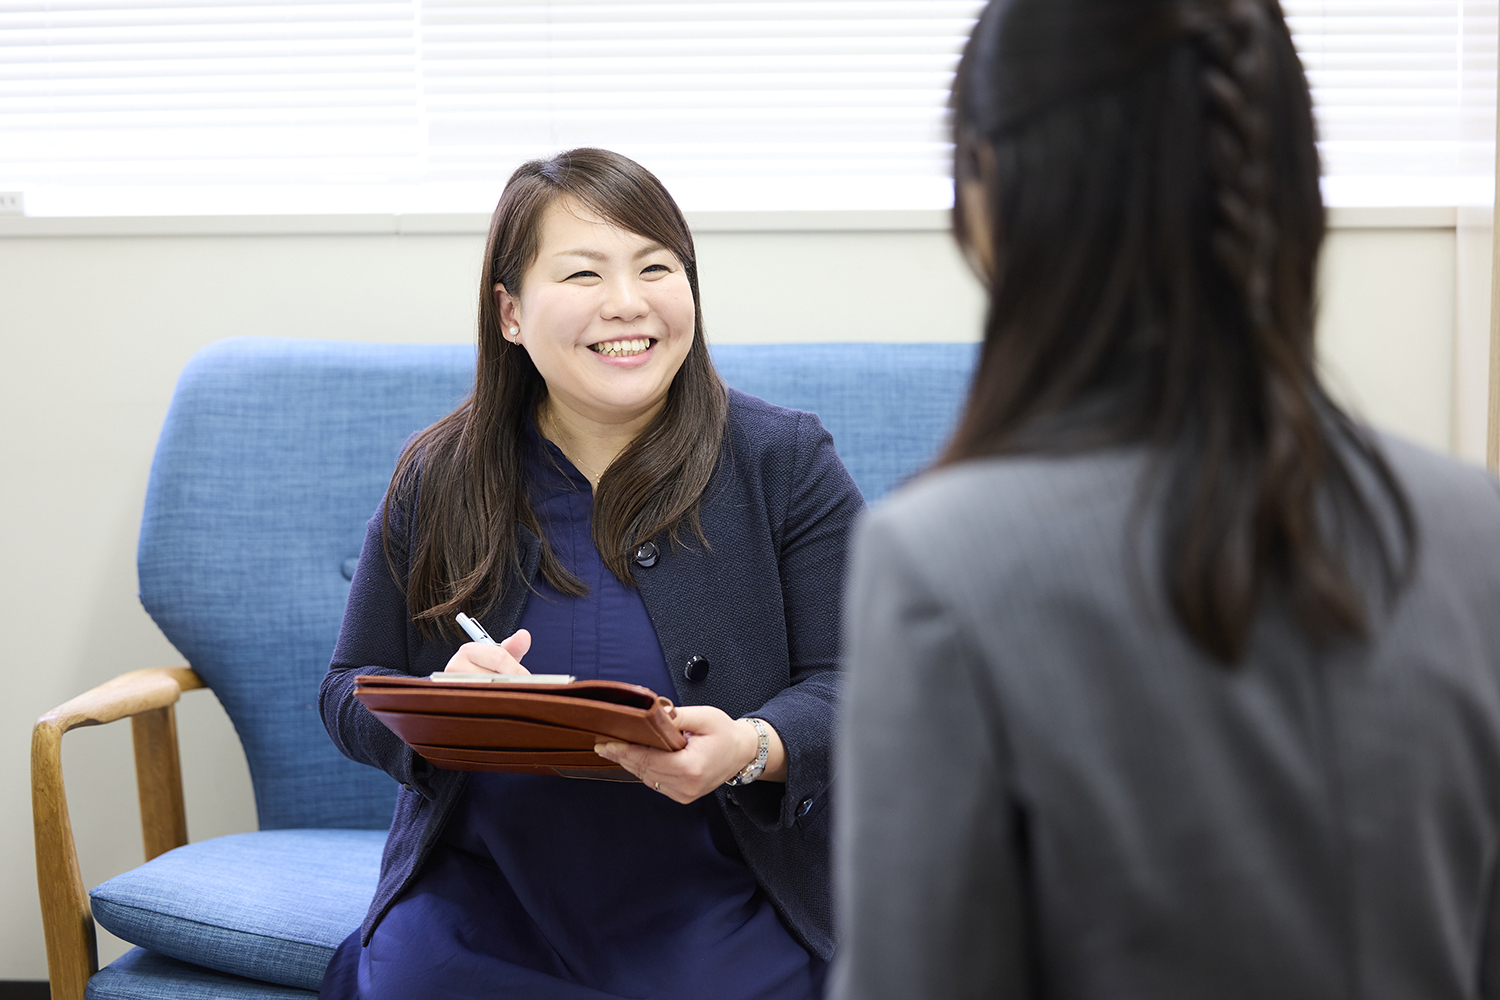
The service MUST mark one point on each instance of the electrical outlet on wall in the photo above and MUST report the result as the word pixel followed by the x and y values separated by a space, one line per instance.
pixel 12 203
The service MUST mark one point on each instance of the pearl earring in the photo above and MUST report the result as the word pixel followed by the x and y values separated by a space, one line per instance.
pixel 515 334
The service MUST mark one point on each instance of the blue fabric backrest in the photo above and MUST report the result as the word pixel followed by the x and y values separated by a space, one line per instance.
pixel 276 452
pixel 273 456
pixel 889 407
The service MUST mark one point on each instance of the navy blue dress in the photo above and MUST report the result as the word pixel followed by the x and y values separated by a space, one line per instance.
pixel 578 889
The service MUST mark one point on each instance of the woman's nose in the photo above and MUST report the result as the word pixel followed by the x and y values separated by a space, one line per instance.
pixel 623 300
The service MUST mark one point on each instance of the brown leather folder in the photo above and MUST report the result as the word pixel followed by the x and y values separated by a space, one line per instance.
pixel 525 729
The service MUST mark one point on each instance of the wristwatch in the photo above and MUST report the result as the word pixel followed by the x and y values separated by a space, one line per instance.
pixel 756 767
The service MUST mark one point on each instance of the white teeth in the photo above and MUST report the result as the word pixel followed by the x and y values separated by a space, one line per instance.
pixel 622 348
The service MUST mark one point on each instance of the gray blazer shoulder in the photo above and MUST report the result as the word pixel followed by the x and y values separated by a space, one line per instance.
pixel 1049 525
pixel 1079 802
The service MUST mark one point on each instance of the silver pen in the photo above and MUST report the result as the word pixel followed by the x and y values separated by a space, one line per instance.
pixel 478 634
pixel 476 631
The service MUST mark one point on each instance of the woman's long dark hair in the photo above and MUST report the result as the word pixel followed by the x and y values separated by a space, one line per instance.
pixel 469 467
pixel 1149 179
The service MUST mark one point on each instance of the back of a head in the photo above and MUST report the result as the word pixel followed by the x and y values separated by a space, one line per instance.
pixel 1138 182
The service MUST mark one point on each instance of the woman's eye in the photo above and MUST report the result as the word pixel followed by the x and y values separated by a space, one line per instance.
pixel 660 268
pixel 581 274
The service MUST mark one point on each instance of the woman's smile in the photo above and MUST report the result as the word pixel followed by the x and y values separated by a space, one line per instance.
pixel 633 347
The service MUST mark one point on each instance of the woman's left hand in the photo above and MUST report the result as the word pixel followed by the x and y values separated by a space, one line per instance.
pixel 718 748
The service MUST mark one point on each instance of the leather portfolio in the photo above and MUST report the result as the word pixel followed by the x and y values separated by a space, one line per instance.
pixel 526 729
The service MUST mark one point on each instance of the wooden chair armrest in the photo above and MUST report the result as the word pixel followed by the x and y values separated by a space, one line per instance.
pixel 145 697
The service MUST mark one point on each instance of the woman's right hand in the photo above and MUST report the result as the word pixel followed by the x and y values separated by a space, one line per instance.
pixel 482 658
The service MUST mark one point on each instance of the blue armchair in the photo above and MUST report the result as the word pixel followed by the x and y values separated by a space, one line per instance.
pixel 273 455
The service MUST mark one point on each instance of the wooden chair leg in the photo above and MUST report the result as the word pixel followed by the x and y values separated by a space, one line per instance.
pixel 146 697
pixel 72 952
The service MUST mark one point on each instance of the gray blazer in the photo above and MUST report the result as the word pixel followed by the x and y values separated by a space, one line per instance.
pixel 1045 790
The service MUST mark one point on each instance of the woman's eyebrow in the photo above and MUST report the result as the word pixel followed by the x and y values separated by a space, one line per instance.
pixel 644 251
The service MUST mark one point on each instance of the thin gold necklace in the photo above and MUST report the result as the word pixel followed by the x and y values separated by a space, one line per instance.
pixel 553 433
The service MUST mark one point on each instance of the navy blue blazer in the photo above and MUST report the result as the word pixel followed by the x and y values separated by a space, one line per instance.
pixel 761 606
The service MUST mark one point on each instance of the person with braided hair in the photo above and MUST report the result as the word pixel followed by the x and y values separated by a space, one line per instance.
pixel 1171 679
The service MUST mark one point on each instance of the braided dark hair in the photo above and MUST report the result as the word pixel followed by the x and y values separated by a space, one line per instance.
pixel 1236 78
pixel 1149 172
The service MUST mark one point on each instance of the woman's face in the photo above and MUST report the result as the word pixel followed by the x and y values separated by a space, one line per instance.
pixel 606 315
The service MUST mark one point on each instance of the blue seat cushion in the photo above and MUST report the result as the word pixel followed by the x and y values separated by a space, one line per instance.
pixel 144 975
pixel 270 906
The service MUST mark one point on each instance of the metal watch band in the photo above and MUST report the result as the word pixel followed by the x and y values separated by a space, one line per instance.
pixel 756 767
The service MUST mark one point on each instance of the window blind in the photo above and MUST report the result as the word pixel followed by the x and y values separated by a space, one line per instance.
pixel 188 92
pixel 169 106
pixel 1401 87
pixel 798 104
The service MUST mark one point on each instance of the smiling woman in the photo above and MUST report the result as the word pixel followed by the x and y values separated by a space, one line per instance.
pixel 604 502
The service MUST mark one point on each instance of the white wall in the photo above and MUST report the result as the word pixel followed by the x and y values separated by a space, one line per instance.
pixel 95 328
pixel 1386 327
